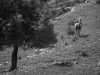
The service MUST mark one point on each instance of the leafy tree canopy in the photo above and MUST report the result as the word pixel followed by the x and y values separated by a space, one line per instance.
pixel 20 21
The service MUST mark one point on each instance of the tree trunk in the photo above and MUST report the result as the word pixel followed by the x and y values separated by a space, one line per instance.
pixel 14 58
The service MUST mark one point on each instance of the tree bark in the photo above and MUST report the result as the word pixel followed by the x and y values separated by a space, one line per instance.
pixel 14 58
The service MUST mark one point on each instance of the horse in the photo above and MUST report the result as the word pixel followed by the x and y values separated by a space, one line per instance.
pixel 78 27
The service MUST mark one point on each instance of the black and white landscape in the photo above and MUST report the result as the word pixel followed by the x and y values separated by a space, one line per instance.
pixel 49 37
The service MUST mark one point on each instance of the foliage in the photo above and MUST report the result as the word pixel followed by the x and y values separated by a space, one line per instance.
pixel 79 1
pixel 20 22
pixel 45 36
pixel 72 22
pixel 70 30
pixel 65 10
pixel 98 1
pixel 14 16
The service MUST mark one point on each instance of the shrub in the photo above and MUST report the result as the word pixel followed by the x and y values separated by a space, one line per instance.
pixel 70 30
pixel 98 1
pixel 45 36
pixel 64 9
pixel 72 22
pixel 79 1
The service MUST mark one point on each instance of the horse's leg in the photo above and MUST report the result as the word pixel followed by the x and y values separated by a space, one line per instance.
pixel 75 31
pixel 78 32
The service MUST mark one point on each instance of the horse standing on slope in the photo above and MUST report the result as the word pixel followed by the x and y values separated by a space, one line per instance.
pixel 78 27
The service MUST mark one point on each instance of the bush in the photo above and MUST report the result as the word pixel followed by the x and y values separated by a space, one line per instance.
pixel 65 10
pixel 79 1
pixel 70 30
pixel 45 36
pixel 98 1
pixel 72 22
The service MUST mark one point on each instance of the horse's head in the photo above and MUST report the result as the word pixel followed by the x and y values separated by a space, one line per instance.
pixel 80 20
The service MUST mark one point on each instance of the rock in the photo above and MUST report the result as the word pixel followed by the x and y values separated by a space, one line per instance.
pixel 76 62
pixel 5 63
pixel 30 56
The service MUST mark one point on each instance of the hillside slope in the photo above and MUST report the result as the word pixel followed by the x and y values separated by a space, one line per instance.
pixel 90 14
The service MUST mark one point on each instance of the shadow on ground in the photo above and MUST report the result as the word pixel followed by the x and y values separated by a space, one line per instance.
pixel 84 35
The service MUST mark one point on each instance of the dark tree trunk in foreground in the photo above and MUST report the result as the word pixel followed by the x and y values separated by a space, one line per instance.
pixel 14 58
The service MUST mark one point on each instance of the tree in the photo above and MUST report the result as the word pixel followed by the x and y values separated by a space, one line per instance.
pixel 22 23
pixel 19 19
